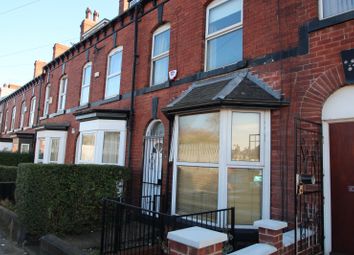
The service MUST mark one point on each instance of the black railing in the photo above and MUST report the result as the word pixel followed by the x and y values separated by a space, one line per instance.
pixel 127 229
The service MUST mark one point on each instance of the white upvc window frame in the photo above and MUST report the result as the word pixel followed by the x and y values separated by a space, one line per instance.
pixel 62 93
pixel 32 112
pixel 112 75
pixel 226 30
pixel 46 101
pixel 321 11
pixel 225 162
pixel 22 116
pixel 99 128
pixel 161 55
pixel 25 145
pixel 6 120
pixel 47 136
pixel 13 119
pixel 87 85
pixel 50 150
pixel 80 161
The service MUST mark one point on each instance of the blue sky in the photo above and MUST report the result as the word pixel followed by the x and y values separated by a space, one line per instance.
pixel 29 29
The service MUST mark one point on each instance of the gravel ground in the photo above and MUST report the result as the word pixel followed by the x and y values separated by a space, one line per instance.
pixel 7 247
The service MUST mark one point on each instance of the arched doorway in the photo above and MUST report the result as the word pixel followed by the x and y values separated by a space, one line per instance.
pixel 152 169
pixel 338 163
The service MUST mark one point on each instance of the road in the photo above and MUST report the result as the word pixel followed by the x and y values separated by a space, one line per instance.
pixel 7 247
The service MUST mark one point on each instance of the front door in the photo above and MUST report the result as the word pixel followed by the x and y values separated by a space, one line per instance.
pixel 152 171
pixel 342 187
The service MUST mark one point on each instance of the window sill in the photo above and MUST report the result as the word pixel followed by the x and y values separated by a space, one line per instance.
pixel 44 117
pixel 61 112
pixel 107 100
pixel 156 87
pixel 331 21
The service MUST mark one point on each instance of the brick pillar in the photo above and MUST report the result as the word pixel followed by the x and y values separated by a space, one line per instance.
pixel 271 232
pixel 195 241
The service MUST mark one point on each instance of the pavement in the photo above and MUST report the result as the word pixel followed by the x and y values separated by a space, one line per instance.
pixel 8 247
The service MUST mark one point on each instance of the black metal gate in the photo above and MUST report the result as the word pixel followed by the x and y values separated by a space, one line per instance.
pixel 308 184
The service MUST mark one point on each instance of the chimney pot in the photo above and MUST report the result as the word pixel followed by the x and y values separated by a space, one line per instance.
pixel 88 13
pixel 96 16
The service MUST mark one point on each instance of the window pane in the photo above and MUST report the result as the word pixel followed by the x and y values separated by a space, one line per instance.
pixel 225 50
pixel 197 189
pixel 162 43
pixel 110 148
pixel 113 86
pixel 88 147
pixel 41 149
pixel 199 138
pixel 115 63
pixel 25 148
pixel 334 7
pixel 54 149
pixel 84 95
pixel 225 15
pixel 160 74
pixel 244 192
pixel 87 75
pixel 245 136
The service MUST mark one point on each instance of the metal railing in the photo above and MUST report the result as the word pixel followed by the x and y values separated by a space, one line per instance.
pixel 127 229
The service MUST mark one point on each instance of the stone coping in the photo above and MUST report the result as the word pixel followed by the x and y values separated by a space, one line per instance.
pixel 197 237
pixel 256 249
pixel 270 224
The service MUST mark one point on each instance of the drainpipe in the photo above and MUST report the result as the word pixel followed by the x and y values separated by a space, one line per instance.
pixel 132 96
pixel 39 99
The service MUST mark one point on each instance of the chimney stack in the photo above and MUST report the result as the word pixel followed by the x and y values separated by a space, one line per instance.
pixel 88 22
pixel 59 49
pixel 123 6
pixel 38 68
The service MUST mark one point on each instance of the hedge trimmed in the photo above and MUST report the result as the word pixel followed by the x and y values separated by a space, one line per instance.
pixel 8 173
pixel 13 158
pixel 64 199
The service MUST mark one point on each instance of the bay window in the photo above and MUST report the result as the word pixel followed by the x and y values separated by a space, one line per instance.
pixel 101 142
pixel 330 8
pixel 160 55
pixel 223 33
pixel 85 86
pixel 50 146
pixel 114 69
pixel 222 161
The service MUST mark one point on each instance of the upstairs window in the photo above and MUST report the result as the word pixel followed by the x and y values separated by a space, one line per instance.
pixel 23 111
pixel 330 8
pixel 32 112
pixel 62 93
pixel 114 69
pixel 160 55
pixel 85 86
pixel 13 118
pixel 6 120
pixel 223 33
pixel 46 101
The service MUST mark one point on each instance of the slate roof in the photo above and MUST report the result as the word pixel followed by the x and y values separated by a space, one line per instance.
pixel 241 89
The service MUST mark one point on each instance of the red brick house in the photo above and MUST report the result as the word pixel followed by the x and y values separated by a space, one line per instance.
pixel 205 94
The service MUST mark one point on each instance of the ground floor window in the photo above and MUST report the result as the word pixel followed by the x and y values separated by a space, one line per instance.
pixel 50 147
pixel 221 160
pixel 25 148
pixel 102 142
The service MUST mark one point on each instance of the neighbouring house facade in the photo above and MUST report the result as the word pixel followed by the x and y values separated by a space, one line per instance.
pixel 199 99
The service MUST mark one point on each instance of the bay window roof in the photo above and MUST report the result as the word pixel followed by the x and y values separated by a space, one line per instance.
pixel 241 89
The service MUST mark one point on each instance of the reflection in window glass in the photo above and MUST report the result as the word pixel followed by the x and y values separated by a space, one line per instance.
pixel 199 138
pixel 245 136
pixel 25 147
pixel 87 147
pixel 54 149
pixel 114 74
pixel 335 7
pixel 41 148
pixel 244 189
pixel 197 189
pixel 110 148
pixel 224 15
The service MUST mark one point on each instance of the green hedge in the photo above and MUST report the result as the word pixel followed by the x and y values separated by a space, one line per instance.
pixel 8 173
pixel 64 199
pixel 13 159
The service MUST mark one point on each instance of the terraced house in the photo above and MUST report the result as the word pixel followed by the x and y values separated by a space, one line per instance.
pixel 212 104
